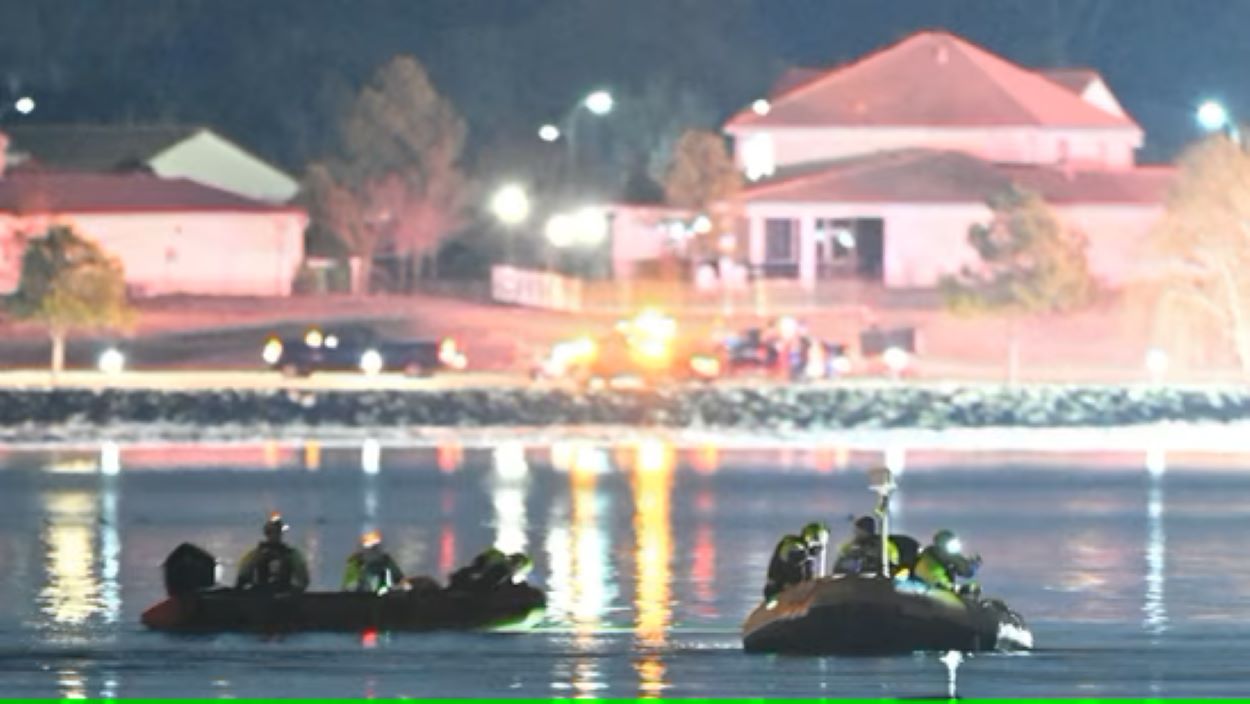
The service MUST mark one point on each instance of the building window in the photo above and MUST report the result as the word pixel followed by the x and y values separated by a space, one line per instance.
pixel 838 236
pixel 779 244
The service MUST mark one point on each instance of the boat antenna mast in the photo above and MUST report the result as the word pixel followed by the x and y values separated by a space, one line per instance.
pixel 881 481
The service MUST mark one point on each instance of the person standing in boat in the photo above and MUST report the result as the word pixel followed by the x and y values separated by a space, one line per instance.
pixel 943 563
pixel 371 569
pixel 273 565
pixel 862 553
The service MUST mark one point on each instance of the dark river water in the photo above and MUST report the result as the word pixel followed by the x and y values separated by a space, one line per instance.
pixel 1128 567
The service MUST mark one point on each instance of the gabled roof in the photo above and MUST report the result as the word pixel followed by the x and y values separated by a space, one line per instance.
pixel 94 147
pixel 792 78
pixel 1074 79
pixel 930 79
pixel 924 176
pixel 35 191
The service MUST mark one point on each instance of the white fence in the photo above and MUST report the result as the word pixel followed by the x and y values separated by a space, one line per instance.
pixel 536 289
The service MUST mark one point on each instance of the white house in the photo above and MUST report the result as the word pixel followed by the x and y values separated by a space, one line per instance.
pixel 877 169
pixel 195 153
pixel 172 235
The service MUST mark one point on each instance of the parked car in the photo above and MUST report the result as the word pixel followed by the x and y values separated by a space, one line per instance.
pixel 358 349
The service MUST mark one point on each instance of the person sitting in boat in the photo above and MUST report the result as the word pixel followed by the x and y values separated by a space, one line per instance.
pixel 862 553
pixel 273 565
pixel 788 565
pixel 941 564
pixel 491 569
pixel 816 537
pixel 371 569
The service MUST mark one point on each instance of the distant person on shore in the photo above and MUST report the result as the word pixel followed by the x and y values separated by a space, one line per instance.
pixel 272 565
pixel 943 563
pixel 370 568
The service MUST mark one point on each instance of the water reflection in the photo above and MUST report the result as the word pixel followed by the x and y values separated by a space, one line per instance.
pixel 651 481
pixel 578 551
pixel 71 594
pixel 1155 608
pixel 508 489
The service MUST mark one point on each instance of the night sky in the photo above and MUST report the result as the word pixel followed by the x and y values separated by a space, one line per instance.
pixel 277 74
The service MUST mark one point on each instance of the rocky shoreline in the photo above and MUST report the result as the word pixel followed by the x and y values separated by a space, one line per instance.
pixel 38 414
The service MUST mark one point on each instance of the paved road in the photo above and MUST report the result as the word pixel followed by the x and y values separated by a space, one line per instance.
pixel 182 379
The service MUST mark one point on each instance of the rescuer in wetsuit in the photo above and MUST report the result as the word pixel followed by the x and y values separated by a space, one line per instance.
pixel 862 553
pixel 943 563
pixel 371 569
pixel 788 565
pixel 491 569
pixel 273 565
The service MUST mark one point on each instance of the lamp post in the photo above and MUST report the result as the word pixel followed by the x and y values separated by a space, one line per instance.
pixel 1212 116
pixel 599 103
pixel 511 206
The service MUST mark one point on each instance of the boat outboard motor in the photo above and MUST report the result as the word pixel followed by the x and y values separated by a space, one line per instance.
pixel 188 569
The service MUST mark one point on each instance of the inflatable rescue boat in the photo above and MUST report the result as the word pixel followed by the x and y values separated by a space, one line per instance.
pixel 197 604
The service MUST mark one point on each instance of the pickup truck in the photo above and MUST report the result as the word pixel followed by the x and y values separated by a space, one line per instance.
pixel 361 350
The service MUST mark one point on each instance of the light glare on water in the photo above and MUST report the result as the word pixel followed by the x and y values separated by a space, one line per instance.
pixel 651 556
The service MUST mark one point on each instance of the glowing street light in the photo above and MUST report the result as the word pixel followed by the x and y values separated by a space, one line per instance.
pixel 25 105
pixel 896 360
pixel 592 227
pixel 599 102
pixel 111 361
pixel 549 132
pixel 1212 116
pixel 761 107
pixel 510 204
pixel 1156 363
pixel 561 230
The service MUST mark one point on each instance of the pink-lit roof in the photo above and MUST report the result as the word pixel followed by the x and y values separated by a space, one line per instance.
pixel 930 79
pixel 36 191
pixel 931 176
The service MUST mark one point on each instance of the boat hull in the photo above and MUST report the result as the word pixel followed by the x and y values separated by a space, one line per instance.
pixel 870 616
pixel 229 610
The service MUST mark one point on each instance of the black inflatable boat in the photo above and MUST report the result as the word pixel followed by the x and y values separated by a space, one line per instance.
pixel 196 604
pixel 869 615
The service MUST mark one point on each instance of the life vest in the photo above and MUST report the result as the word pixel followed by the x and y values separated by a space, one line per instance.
pixel 273 566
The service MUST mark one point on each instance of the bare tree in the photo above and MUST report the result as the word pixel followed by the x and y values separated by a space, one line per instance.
pixel 1201 247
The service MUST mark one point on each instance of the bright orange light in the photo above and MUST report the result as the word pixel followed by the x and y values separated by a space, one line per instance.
pixel 706 459
pixel 312 455
pixel 449 456
pixel 654 455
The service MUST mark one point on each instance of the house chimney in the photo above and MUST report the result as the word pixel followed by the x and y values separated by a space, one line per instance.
pixel 4 152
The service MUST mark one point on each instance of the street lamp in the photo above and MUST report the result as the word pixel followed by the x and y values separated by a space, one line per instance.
pixel 510 204
pixel 599 102
pixel 25 105
pixel 548 132
pixel 1212 116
